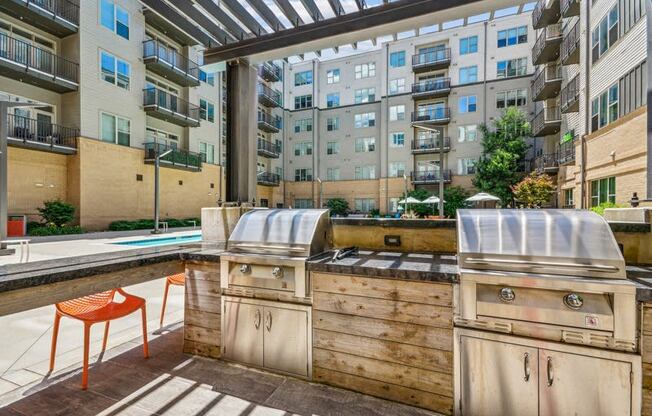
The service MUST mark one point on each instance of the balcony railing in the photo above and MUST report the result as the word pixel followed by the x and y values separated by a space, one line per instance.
pixel 268 122
pixel 546 48
pixel 269 97
pixel 566 152
pixel 270 72
pixel 546 122
pixel 32 133
pixel 431 145
pixel 42 66
pixel 436 59
pixel 431 176
pixel 437 115
pixel 547 163
pixel 268 149
pixel 180 159
pixel 432 88
pixel 570 8
pixel 167 62
pixel 570 96
pixel 547 82
pixel 165 106
pixel 545 12
pixel 58 17
pixel 570 46
pixel 268 179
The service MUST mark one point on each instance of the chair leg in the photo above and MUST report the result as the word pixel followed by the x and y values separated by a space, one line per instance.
pixel 55 335
pixel 87 341
pixel 145 347
pixel 165 300
pixel 106 335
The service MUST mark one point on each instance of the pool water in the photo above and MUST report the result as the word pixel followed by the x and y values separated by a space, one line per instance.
pixel 158 241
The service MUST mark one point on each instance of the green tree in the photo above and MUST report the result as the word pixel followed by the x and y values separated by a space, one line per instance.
pixel 420 210
pixel 57 212
pixel 503 150
pixel 338 206
pixel 455 197
pixel 534 190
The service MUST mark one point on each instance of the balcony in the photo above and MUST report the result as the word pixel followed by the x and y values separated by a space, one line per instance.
pixel 268 149
pixel 178 159
pixel 566 154
pixel 39 135
pixel 430 145
pixel 570 8
pixel 170 64
pixel 430 177
pixel 270 72
pixel 546 48
pixel 165 106
pixel 570 46
pixel 428 117
pixel 268 122
pixel 268 97
pixel 57 17
pixel 546 122
pixel 547 163
pixel 21 61
pixel 570 96
pixel 172 31
pixel 547 83
pixel 545 13
pixel 268 179
pixel 431 88
pixel 430 61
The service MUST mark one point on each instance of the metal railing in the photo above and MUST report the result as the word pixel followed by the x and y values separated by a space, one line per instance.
pixel 549 73
pixel 153 48
pixel 570 93
pixel 540 9
pixel 157 97
pixel 270 94
pixel 431 85
pixel 566 4
pixel 546 162
pixel 64 9
pixel 178 158
pixel 268 178
pixel 431 114
pixel 571 42
pixel 548 33
pixel 270 71
pixel 545 115
pixel 566 153
pixel 30 130
pixel 430 143
pixel 267 118
pixel 431 176
pixel 38 59
pixel 432 57
pixel 268 147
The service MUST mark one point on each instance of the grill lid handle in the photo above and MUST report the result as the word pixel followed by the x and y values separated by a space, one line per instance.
pixel 542 264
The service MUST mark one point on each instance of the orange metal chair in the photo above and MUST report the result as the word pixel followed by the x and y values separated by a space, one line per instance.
pixel 93 309
pixel 178 279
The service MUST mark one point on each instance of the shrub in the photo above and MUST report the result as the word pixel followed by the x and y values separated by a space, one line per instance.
pixel 455 197
pixel 338 207
pixel 374 213
pixel 147 224
pixel 534 190
pixel 52 229
pixel 57 212
pixel 600 208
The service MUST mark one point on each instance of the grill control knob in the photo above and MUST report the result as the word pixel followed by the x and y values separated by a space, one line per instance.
pixel 277 272
pixel 507 294
pixel 573 301
pixel 245 269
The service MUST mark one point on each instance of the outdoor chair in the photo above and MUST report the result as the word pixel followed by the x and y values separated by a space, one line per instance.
pixel 178 279
pixel 97 308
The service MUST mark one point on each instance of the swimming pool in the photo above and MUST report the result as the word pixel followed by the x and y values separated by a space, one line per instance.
pixel 158 241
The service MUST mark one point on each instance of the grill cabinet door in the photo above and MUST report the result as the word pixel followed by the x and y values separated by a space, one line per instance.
pixel 286 340
pixel 583 385
pixel 242 336
pixel 493 378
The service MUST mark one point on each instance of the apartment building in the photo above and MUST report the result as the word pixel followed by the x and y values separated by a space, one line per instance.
pixel 113 84
pixel 591 99
pixel 366 127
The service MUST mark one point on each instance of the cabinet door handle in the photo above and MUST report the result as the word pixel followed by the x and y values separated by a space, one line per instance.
pixel 526 367
pixel 268 321
pixel 257 319
pixel 551 376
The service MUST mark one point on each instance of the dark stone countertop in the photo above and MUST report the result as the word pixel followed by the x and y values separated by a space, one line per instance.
pixel 394 222
pixel 642 276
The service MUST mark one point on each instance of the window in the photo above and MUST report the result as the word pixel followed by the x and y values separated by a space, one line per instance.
pixel 303 203
pixel 115 71
pixel 468 45
pixel 363 145
pixel 332 174
pixel 603 190
pixel 396 112
pixel 332 123
pixel 397 139
pixel 396 169
pixel 393 204
pixel 604 108
pixel 365 70
pixel 303 101
pixel 467 133
pixel 279 171
pixel 512 36
pixel 333 100
pixel 466 166
pixel 332 148
pixel 605 34
pixel 512 98
pixel 365 204
pixel 206 110
pixel 568 198
pixel 468 74
pixel 303 175
pixel 365 95
pixel 397 59
pixel 397 86
pixel 303 78
pixel 115 129
pixel 207 152
pixel 365 172
pixel 468 104
pixel 114 18
pixel 365 120
pixel 333 76
pixel 303 149
pixel 511 68
pixel 305 124
pixel 210 79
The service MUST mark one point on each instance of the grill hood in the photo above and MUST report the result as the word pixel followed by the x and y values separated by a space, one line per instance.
pixel 287 232
pixel 560 242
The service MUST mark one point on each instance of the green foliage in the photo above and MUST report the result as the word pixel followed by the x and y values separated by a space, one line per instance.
pixel 503 149
pixel 455 197
pixel 338 206
pixel 534 190
pixel 420 210
pixel 52 229
pixel 147 224
pixel 57 212
pixel 600 208
pixel 374 213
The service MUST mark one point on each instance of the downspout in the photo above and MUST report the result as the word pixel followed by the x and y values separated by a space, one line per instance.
pixel 284 140
pixel 484 76
pixel 386 138
pixel 587 105
pixel 648 16
pixel 315 124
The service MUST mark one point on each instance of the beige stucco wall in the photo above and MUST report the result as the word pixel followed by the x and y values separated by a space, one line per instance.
pixel 422 239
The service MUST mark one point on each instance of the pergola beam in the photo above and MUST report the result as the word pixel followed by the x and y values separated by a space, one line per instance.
pixel 214 10
pixel 337 7
pixel 162 9
pixel 188 8
pixel 290 13
pixel 267 14
pixel 243 15
pixel 313 10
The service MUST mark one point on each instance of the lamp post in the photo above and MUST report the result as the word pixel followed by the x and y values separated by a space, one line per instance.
pixel 321 193
pixel 157 166
pixel 406 192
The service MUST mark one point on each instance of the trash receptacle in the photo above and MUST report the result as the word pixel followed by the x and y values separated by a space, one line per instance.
pixel 16 226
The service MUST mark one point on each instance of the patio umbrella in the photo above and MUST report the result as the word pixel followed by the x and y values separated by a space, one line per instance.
pixel 409 200
pixel 432 200
pixel 482 197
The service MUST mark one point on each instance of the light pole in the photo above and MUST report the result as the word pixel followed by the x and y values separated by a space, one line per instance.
pixel 406 192
pixel 157 166
pixel 321 193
